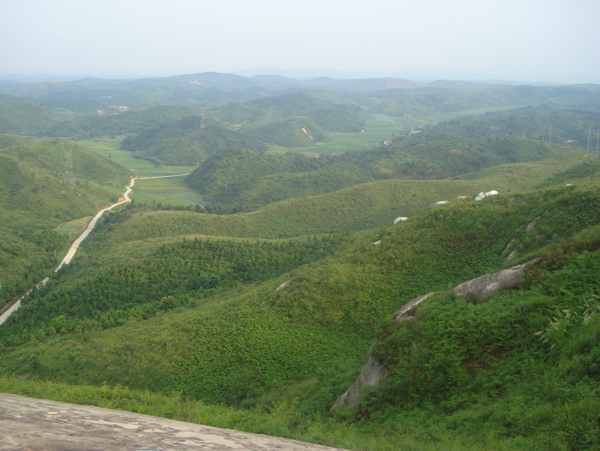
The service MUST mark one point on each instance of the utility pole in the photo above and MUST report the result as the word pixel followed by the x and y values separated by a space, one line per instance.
pixel 67 148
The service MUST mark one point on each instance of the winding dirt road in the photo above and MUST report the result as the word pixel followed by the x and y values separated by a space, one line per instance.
pixel 39 424
pixel 74 247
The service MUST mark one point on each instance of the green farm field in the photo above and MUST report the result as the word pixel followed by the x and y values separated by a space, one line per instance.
pixel 109 148
pixel 171 190
pixel 378 128
pixel 74 227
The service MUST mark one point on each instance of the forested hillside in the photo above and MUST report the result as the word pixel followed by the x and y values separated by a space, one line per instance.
pixel 243 180
pixel 549 124
pixel 27 117
pixel 102 124
pixel 188 141
pixel 41 186
pixel 446 97
pixel 289 132
pixel 301 343
pixel 257 308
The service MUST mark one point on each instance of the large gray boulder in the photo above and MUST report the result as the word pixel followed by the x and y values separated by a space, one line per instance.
pixel 477 290
pixel 371 374
pixel 405 310
pixel 482 288
pixel 40 424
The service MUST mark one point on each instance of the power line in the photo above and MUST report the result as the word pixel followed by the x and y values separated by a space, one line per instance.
pixel 67 148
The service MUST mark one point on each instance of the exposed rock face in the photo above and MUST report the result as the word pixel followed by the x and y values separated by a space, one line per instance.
pixel 532 224
pixel 371 374
pixel 403 312
pixel 476 290
pixel 483 195
pixel 482 288
pixel 39 424
pixel 283 285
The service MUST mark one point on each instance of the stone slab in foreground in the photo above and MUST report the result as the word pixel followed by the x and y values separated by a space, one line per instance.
pixel 39 424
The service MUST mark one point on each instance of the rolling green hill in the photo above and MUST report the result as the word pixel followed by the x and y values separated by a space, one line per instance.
pixel 269 118
pixel 258 311
pixel 126 123
pixel 37 194
pixel 13 140
pixel 340 119
pixel 245 181
pixel 27 117
pixel 235 113
pixel 298 103
pixel 568 127
pixel 234 166
pixel 188 141
pixel 288 132
pixel 455 376
pixel 441 98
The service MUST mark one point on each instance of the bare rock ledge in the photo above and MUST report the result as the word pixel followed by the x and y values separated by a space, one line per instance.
pixel 477 290
pixel 39 424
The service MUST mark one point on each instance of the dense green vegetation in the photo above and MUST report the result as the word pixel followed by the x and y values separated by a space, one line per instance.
pixel 301 103
pixel 251 301
pixel 354 208
pixel 36 195
pixel 18 116
pixel 13 140
pixel 128 122
pixel 244 180
pixel 288 132
pixel 187 141
pixel 569 127
pixel 428 100
pixel 173 274
pixel 301 346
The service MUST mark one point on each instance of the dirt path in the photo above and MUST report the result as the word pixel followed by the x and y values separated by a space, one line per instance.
pixel 74 247
pixel 39 424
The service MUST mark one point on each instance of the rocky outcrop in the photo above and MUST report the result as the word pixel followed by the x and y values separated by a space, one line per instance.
pixel 39 424
pixel 477 290
pixel 283 285
pixel 371 374
pixel 404 311
pixel 483 195
pixel 482 288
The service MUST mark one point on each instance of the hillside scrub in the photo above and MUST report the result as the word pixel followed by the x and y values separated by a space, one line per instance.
pixel 287 132
pixel 172 275
pixel 271 178
pixel 188 141
pixel 346 295
pixel 550 124
pixel 257 312
pixel 36 196
pixel 461 376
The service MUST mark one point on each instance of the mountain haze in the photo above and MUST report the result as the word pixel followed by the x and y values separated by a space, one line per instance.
pixel 310 235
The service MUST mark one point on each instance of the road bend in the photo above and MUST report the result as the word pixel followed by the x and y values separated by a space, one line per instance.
pixel 74 247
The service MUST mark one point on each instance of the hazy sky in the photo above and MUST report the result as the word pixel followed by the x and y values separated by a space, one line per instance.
pixel 521 40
